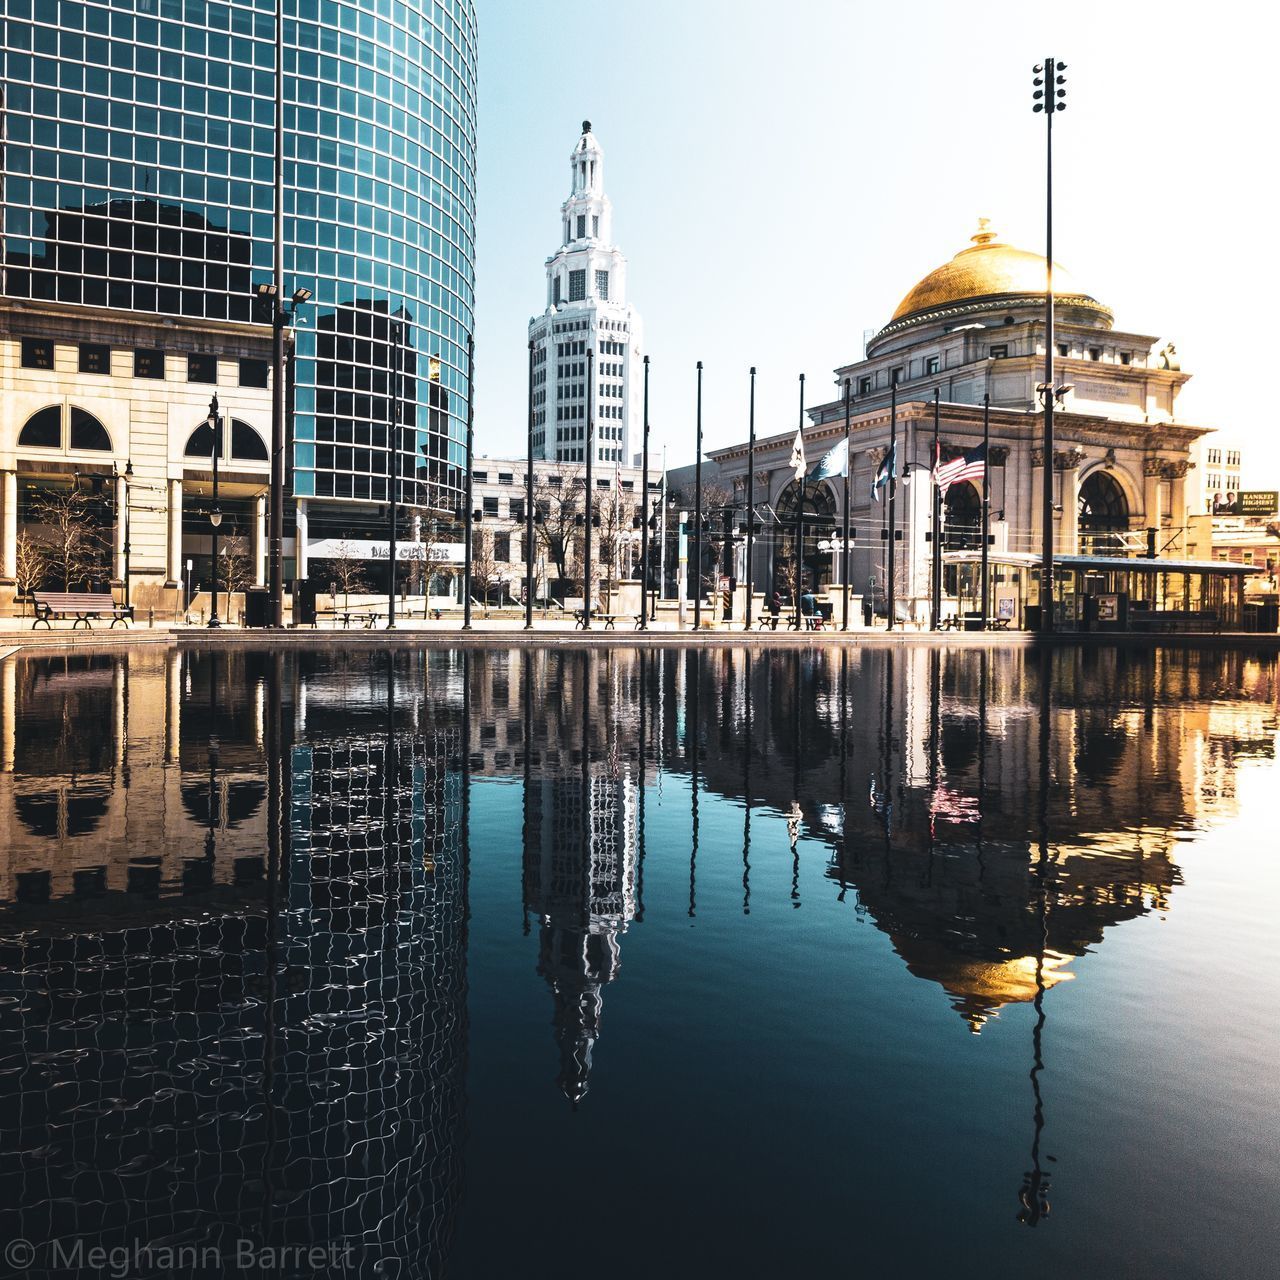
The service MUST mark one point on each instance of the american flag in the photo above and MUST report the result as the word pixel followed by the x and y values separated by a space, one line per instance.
pixel 969 466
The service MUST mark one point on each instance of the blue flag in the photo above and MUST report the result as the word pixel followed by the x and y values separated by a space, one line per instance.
pixel 888 468
pixel 835 462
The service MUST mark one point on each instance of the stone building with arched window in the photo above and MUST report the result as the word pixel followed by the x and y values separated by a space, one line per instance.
pixel 970 330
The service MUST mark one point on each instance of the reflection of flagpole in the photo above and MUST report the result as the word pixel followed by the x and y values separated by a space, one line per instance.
pixel 643 660
pixel 746 786
pixel 695 663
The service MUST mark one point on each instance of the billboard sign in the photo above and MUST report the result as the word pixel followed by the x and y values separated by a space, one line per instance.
pixel 1259 502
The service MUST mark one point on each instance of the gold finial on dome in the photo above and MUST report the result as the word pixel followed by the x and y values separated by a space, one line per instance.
pixel 984 234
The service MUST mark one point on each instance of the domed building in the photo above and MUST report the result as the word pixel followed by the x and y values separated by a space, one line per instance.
pixel 974 328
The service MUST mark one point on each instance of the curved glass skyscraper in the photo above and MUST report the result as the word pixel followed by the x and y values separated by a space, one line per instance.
pixel 138 170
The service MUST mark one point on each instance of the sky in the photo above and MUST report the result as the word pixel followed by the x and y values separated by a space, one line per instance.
pixel 783 173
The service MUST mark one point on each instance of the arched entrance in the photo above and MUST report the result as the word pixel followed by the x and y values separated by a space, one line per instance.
pixel 961 527
pixel 819 524
pixel 1101 513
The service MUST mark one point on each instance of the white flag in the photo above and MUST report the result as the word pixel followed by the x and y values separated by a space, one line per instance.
pixel 797 457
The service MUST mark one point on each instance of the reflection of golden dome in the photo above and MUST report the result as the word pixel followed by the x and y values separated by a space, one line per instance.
pixel 987 269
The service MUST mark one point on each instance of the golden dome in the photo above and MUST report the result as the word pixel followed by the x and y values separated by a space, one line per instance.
pixel 987 269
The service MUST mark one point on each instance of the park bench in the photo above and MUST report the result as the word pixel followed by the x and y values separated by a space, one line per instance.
pixel 1173 620
pixel 610 620
pixel 84 606
pixel 369 618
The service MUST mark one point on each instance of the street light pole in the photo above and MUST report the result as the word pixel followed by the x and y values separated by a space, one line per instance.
pixel 586 524
pixel 804 489
pixel 215 516
pixel 936 583
pixel 393 472
pixel 893 499
pixel 848 477
pixel 1048 97
pixel 751 494
pixel 275 533
pixel 528 509
pixel 466 515
pixel 128 481
pixel 986 507
pixel 643 624
pixel 697 515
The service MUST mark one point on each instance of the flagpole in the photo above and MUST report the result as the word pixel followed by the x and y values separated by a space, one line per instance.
pixel 844 562
pixel 893 493
pixel 804 487
pixel 937 520
pixel 986 507
pixel 643 621
pixel 751 495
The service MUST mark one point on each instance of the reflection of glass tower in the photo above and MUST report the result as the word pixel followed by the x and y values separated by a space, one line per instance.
pixel 580 879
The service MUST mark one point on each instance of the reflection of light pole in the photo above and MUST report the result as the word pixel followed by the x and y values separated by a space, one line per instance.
pixel 215 516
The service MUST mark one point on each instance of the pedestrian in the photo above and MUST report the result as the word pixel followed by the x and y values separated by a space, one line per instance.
pixel 775 610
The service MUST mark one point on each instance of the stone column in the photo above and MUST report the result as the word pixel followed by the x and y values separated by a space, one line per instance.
pixel 300 538
pixel 1037 504
pixel 259 540
pixel 122 505
pixel 1067 536
pixel 174 558
pixel 1178 502
pixel 1151 471
pixel 9 535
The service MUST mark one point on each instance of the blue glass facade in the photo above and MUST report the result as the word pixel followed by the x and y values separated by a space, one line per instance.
pixel 138 142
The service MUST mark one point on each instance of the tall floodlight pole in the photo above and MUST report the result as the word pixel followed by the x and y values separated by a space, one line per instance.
pixel 586 527
pixel 393 470
pixel 986 508
pixel 697 514
pixel 751 495
pixel 893 495
pixel 643 624
pixel 936 577
pixel 275 533
pixel 466 514
pixel 528 510
pixel 215 516
pixel 804 488
pixel 848 477
pixel 1048 97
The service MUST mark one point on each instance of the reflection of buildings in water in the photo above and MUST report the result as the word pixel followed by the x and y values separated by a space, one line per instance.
pixel 277 1058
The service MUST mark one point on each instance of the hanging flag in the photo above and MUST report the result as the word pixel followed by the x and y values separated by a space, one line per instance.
pixel 835 462
pixel 968 466
pixel 797 457
pixel 887 468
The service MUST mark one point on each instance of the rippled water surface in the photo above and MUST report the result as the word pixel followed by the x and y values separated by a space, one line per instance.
pixel 661 963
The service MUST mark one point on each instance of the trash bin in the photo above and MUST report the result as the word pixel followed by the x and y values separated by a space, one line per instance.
pixel 255 607
pixel 304 603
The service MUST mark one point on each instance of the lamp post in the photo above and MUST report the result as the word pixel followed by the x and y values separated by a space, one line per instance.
pixel 804 489
pixel 1048 97
pixel 215 516
pixel 848 477
pixel 986 507
pixel 528 508
pixel 751 495
pixel 936 582
pixel 643 624
pixel 393 471
pixel 697 513
pixel 466 515
pixel 586 524
pixel 890 603
pixel 127 477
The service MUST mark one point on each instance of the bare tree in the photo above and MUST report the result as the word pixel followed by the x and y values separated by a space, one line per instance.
pixel 718 505
pixel 486 574
pixel 343 572
pixel 558 506
pixel 75 544
pixel 31 564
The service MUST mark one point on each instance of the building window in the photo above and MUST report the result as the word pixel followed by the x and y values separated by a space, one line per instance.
pixel 148 363
pixel 556 294
pixel 87 432
pixel 253 373
pixel 43 430
pixel 480 477
pixel 582 225
pixel 37 353
pixel 1063 349
pixel 1125 357
pixel 95 358
pixel 517 509
pixel 602 285
pixel 202 368
pixel 577 286
pixel 491 506
pixel 864 386
pixel 896 375
pixel 595 224
pixel 1000 351
pixel 1095 353
pixel 932 364
pixel 502 548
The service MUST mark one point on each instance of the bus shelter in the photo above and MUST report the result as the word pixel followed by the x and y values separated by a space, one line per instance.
pixel 1099 593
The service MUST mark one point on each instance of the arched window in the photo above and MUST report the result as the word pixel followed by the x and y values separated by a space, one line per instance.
pixel 1102 511
pixel 246 443
pixel 962 518
pixel 43 430
pixel 200 442
pixel 87 432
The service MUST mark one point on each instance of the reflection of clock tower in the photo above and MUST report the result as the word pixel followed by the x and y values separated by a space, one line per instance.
pixel 586 308
pixel 580 872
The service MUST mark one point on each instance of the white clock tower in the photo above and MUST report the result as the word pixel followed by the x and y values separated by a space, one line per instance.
pixel 587 309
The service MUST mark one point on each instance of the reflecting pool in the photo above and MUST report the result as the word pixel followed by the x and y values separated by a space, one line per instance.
pixel 639 962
